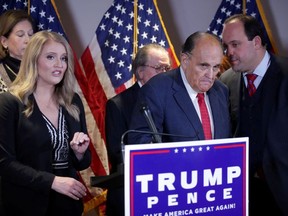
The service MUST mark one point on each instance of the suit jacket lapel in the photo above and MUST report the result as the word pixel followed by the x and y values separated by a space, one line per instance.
pixel 184 101
pixel 215 109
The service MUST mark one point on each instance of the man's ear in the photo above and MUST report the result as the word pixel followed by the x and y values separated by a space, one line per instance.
pixel 257 41
pixel 184 58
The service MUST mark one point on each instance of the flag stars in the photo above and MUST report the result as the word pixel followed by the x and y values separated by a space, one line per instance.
pixel 114 47
pixel 141 6
pixel 200 148
pixel 238 6
pixel 106 43
pixel 126 39
pixel 111 31
pixel 192 149
pixel 215 32
pixel 117 35
pixel 32 9
pixel 131 14
pixel 149 11
pixel 156 27
pixel 107 15
pixel 118 76
pixel 153 39
pixel 184 150
pixel 44 2
pixel 129 27
pixel 114 19
pixel 130 67
pixel 5 6
pixel 51 19
pixel 144 35
pixel 123 10
pixel 219 21
pixel 253 15
pixel 223 10
pixel 102 27
pixel 124 51
pixel 147 23
pixel 42 13
pixel 40 26
pixel 208 148
pixel 139 19
pixel 111 59
pixel 120 63
pixel 120 22
pixel 162 43
pixel 228 13
pixel 176 150
pixel 118 7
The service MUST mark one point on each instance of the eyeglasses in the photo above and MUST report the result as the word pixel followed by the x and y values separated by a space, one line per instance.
pixel 159 68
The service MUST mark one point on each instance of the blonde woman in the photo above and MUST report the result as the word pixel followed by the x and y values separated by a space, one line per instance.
pixel 43 134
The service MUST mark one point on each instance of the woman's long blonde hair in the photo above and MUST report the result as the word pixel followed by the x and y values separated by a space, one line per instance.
pixel 25 82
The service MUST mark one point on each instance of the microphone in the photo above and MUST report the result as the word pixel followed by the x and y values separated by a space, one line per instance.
pixel 146 111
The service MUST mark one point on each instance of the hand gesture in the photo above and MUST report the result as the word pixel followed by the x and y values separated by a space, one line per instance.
pixel 79 144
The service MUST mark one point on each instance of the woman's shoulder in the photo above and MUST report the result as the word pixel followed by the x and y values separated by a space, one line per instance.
pixel 9 101
pixel 76 99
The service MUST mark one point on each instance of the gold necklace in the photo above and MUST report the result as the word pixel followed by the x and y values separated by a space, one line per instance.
pixel 11 70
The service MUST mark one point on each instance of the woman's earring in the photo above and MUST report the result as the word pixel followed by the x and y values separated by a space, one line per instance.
pixel 6 50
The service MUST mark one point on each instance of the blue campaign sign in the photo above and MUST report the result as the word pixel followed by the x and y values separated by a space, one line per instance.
pixel 187 178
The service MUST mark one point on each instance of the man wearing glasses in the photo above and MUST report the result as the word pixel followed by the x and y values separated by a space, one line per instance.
pixel 188 102
pixel 150 60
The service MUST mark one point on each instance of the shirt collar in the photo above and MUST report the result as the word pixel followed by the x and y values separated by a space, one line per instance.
pixel 192 93
pixel 261 69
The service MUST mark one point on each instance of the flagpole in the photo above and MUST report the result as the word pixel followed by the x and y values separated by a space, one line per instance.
pixel 244 6
pixel 135 43
pixel 28 7
pixel 266 25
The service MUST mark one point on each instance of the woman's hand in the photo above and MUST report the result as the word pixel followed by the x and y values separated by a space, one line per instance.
pixel 69 187
pixel 79 144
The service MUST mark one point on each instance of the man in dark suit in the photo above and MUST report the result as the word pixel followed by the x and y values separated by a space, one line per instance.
pixel 149 61
pixel 172 97
pixel 251 110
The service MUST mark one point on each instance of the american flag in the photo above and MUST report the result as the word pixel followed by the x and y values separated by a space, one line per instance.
pixel 126 26
pixel 110 51
pixel 253 8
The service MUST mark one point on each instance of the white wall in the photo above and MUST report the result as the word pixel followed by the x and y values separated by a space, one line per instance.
pixel 181 17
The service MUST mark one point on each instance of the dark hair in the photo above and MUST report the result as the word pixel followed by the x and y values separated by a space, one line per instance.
pixel 252 27
pixel 8 20
pixel 191 41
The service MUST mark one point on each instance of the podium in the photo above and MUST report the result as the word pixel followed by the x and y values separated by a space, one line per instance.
pixel 114 180
pixel 202 176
